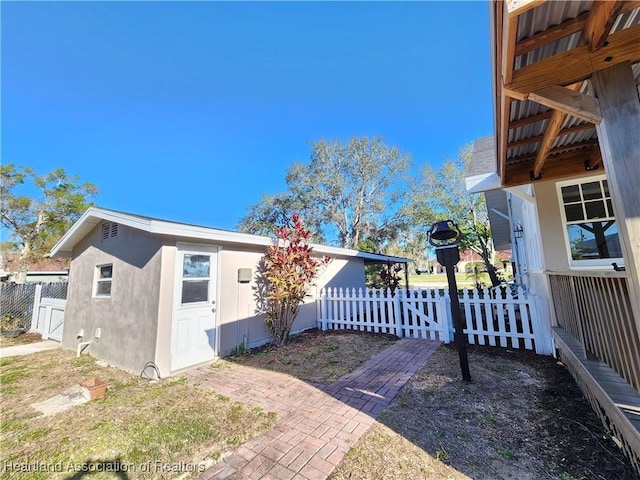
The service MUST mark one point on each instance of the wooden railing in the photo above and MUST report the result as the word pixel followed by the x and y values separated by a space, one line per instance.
pixel 595 308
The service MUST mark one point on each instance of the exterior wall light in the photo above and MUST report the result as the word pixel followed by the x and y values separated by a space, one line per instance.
pixel 517 231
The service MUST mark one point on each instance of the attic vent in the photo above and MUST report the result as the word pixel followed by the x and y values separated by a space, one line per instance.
pixel 109 230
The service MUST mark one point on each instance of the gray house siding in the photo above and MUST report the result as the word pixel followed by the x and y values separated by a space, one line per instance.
pixel 128 318
pixel 137 320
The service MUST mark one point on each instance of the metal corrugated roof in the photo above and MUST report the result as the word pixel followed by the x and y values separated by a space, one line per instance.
pixel 527 136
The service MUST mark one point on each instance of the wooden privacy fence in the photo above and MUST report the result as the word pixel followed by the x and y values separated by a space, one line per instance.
pixel 497 317
pixel 48 316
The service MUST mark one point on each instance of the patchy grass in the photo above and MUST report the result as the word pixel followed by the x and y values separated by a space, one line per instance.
pixel 20 339
pixel 153 430
pixel 439 280
pixel 382 454
pixel 521 417
pixel 317 357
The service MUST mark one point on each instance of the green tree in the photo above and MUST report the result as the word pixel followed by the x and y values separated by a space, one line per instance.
pixel 288 271
pixel 272 210
pixel 442 194
pixel 35 224
pixel 349 188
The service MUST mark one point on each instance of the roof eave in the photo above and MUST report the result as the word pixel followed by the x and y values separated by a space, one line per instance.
pixel 94 215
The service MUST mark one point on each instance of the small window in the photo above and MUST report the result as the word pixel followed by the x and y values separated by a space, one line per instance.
pixel 109 230
pixel 195 278
pixel 590 226
pixel 104 275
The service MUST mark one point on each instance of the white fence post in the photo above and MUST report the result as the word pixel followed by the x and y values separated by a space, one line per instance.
pixel 323 309
pixel 36 309
pixel 541 336
pixel 444 314
pixel 494 318
pixel 397 317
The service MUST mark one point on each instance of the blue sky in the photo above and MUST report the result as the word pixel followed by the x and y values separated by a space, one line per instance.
pixel 190 111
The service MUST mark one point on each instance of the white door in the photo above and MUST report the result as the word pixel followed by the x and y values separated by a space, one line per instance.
pixel 193 331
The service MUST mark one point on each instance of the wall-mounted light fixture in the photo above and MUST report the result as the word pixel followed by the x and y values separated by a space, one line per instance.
pixel 517 231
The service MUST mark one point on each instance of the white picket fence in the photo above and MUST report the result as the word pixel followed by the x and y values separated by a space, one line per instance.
pixel 495 318
pixel 48 316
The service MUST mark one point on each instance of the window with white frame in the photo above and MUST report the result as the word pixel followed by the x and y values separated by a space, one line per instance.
pixel 590 226
pixel 104 276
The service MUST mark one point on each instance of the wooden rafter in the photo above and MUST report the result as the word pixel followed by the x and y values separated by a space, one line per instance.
pixel 558 166
pixel 508 59
pixel 570 102
pixel 563 132
pixel 599 22
pixel 544 81
pixel 583 146
pixel 566 28
pixel 595 158
pixel 529 120
pixel 518 7
pixel 551 133
pixel 578 64
pixel 502 110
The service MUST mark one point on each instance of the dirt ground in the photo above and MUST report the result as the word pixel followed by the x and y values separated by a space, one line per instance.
pixel 521 417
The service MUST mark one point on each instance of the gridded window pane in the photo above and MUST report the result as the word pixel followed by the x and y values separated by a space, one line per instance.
pixel 106 271
pixel 594 240
pixel 591 190
pixel 196 266
pixel 194 291
pixel 571 194
pixel 103 281
pixel 574 212
pixel 590 222
pixel 103 288
pixel 595 210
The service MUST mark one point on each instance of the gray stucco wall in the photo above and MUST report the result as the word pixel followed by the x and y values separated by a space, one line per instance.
pixel 136 320
pixel 128 318
pixel 239 318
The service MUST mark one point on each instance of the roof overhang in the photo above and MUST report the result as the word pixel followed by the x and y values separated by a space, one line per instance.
pixel 544 54
pixel 94 216
pixel 481 174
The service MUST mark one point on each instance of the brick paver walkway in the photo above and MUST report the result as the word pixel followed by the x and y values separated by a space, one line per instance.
pixel 316 426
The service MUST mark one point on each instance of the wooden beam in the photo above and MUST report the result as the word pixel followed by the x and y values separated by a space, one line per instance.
pixel 503 136
pixel 516 95
pixel 563 132
pixel 557 167
pixel 601 18
pixel 620 145
pixel 532 119
pixel 566 28
pixel 595 159
pixel 503 103
pixel 508 58
pixel 585 145
pixel 578 64
pixel 570 102
pixel 550 134
pixel 518 7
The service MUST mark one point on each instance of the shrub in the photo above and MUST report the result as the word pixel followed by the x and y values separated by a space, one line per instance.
pixel 288 270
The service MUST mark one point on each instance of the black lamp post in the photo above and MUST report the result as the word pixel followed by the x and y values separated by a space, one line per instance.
pixel 445 237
